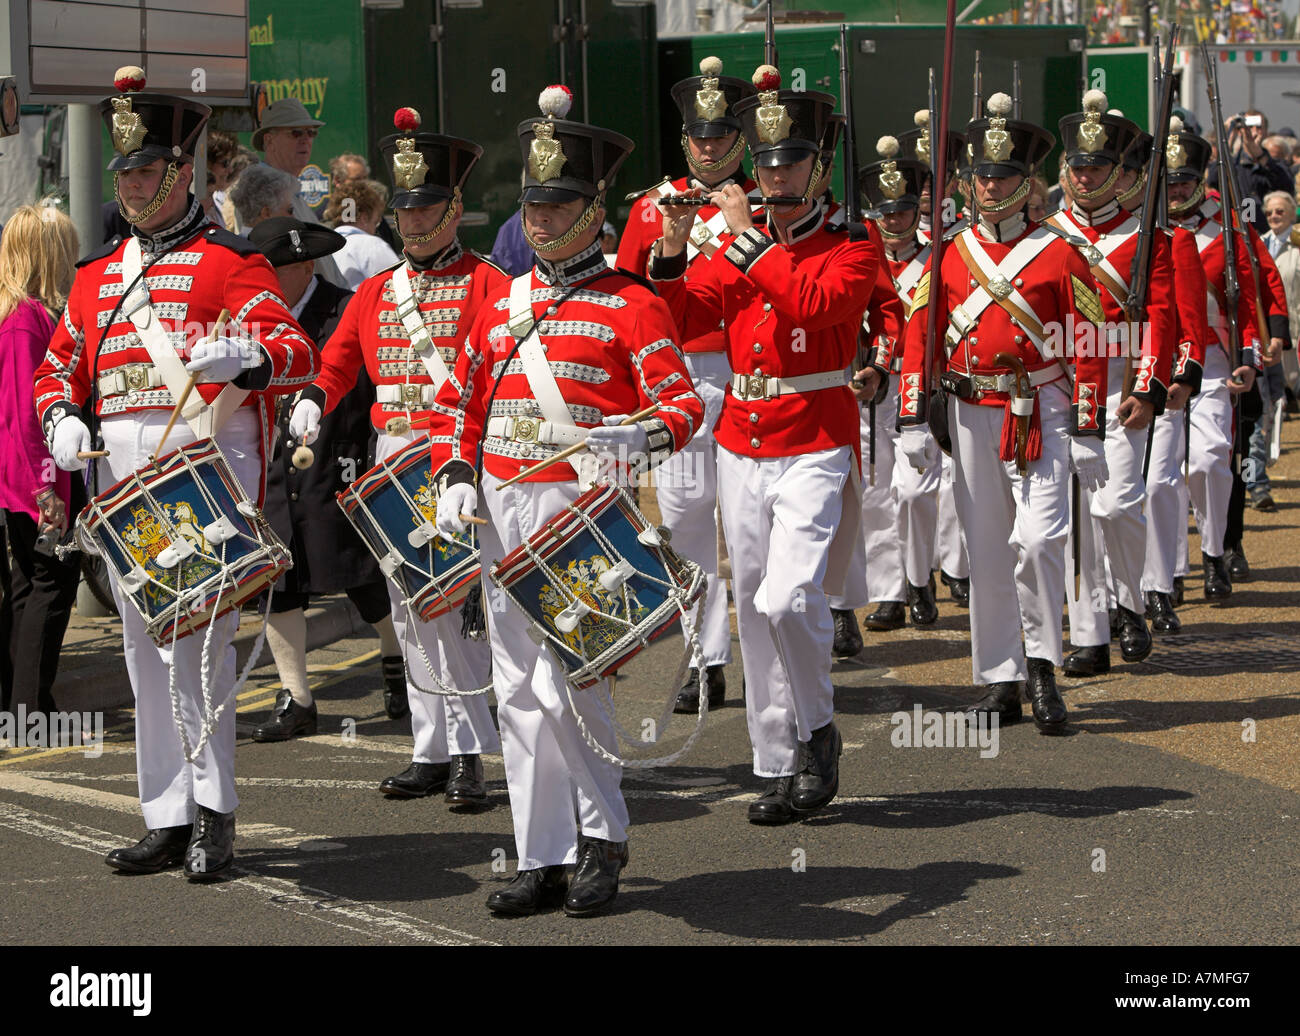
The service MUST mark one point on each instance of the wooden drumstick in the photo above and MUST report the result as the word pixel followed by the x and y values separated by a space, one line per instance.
pixel 473 519
pixel 569 451
pixel 189 385
pixel 91 454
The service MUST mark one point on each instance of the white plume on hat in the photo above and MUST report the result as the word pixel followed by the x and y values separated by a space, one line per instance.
pixel 1094 101
pixel 887 147
pixel 999 105
pixel 555 101
pixel 1175 124
pixel 711 66
pixel 922 117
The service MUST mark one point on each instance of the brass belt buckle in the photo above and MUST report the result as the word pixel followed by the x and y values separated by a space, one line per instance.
pixel 527 429
pixel 137 378
pixel 412 394
pixel 755 387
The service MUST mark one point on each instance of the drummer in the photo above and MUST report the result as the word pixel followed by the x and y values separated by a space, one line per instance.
pixel 403 327
pixel 605 348
pixel 118 355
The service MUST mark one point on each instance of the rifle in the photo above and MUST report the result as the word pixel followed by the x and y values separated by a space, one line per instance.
pixel 769 39
pixel 978 87
pixel 1135 305
pixel 1231 286
pixel 1015 89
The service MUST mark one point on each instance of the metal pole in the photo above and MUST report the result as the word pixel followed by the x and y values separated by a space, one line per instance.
pixel 85 191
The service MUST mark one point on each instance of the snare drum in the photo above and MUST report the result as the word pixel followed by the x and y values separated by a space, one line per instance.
pixel 183 541
pixel 599 582
pixel 393 507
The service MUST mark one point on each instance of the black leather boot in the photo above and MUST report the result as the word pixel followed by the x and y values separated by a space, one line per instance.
pixel 921 605
pixel 1179 590
pixel 288 719
pixel 528 891
pixel 818 778
pixel 1001 699
pixel 773 806
pixel 466 789
pixel 161 848
pixel 848 638
pixel 1113 615
pixel 417 781
pixel 688 698
pixel 595 878
pixel 1045 699
pixel 1218 587
pixel 958 589
pixel 1087 661
pixel 887 616
pixel 395 703
pixel 212 846
pixel 1238 569
pixel 1134 637
pixel 1160 611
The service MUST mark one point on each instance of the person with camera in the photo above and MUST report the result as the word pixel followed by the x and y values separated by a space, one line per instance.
pixel 1257 172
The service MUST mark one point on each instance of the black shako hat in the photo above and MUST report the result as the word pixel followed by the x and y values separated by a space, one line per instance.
pixel 1096 136
pixel 564 161
pixel 1002 146
pixel 915 144
pixel 893 184
pixel 425 168
pixel 147 127
pixel 783 126
pixel 1187 156
pixel 707 101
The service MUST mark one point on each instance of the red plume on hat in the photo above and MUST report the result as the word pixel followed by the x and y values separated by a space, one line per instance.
pixel 129 78
pixel 406 119
pixel 766 77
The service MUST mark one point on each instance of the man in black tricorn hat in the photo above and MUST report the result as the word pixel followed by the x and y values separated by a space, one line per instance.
pixel 119 352
pixel 564 354
pixel 687 484
pixel 404 327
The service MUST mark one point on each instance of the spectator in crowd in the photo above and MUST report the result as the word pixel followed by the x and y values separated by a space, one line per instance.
pixel 244 159
pixel 355 210
pixel 1288 267
pixel 262 192
pixel 1037 207
pixel 1279 150
pixel 38 253
pixel 1279 213
pixel 222 149
pixel 1255 169
pixel 1056 196
pixel 349 167
pixel 510 251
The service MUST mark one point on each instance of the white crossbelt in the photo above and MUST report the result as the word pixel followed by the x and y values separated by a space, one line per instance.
pixel 702 231
pixel 964 317
pixel 408 311
pixel 1116 283
pixel 747 387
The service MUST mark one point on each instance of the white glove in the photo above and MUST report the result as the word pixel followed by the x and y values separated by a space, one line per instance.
pixel 1088 461
pixel 304 421
pixel 918 446
pixel 460 498
pixel 70 437
pixel 612 438
pixel 712 397
pixel 224 359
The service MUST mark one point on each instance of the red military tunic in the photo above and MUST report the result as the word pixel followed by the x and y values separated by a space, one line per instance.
pixel 206 271
pixel 1117 238
pixel 1194 332
pixel 449 293
pixel 611 345
pixel 902 275
pixel 1055 284
pixel 790 311
pixel 645 227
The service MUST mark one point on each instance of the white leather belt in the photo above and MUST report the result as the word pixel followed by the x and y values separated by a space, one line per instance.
pixel 411 394
pixel 748 387
pixel 130 377
pixel 984 383
pixel 534 429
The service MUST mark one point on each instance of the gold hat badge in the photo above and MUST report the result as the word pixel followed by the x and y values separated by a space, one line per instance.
pixel 998 144
pixel 1175 153
pixel 773 121
pixel 546 157
pixel 710 102
pixel 128 128
pixel 891 181
pixel 922 120
pixel 1092 135
pixel 409 166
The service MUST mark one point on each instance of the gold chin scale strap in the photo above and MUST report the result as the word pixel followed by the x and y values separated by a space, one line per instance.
pixel 158 201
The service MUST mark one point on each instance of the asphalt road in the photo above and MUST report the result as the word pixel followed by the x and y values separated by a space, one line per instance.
pixel 1169 816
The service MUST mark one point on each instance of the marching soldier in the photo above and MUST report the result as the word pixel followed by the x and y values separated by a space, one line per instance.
pixel 791 297
pixel 1028 409
pixel 328 555
pixel 568 348
pixel 687 483
pixel 1112 535
pixel 404 326
pixel 119 355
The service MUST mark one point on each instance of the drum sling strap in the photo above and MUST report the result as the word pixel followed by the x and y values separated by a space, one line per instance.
pixel 408 311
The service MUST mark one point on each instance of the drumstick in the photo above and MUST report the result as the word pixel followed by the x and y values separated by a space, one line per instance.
pixel 189 385
pixel 473 519
pixel 91 454
pixel 569 451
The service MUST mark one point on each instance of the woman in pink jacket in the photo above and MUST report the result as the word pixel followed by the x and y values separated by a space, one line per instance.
pixel 38 251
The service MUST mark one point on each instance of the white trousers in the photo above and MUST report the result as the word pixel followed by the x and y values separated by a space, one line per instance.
pixel 1016 527
pixel 558 786
pixel 927 520
pixel 876 566
pixel 686 487
pixel 950 547
pixel 1209 471
pixel 780 515
pixel 1114 534
pixel 441 726
pixel 1166 503
pixel 171 788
